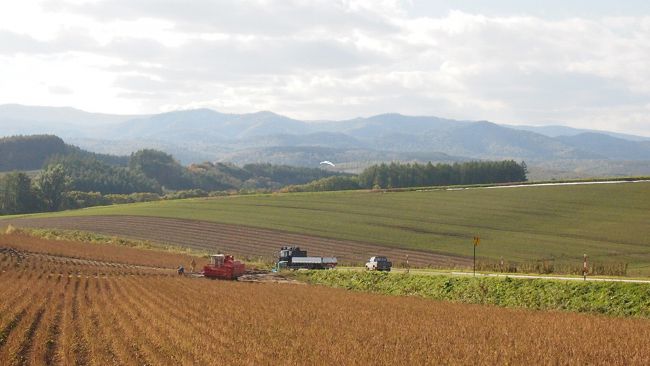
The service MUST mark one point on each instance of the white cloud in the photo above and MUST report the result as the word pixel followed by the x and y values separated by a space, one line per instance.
pixel 328 59
pixel 58 89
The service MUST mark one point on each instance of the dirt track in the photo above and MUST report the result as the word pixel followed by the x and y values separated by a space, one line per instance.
pixel 241 240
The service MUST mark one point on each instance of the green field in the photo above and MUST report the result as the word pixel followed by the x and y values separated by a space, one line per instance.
pixel 609 222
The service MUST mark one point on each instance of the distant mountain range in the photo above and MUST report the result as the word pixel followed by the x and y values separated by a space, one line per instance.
pixel 203 134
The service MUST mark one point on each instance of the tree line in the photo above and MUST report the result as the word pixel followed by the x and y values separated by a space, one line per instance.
pixel 88 174
pixel 209 176
pixel 20 194
pixel 76 181
pixel 397 175
pixel 400 175
pixel 73 178
pixel 155 171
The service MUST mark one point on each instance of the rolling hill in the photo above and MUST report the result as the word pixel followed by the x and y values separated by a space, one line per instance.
pixel 30 152
pixel 560 223
pixel 609 146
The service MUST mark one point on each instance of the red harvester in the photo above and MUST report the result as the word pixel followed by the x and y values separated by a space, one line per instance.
pixel 223 267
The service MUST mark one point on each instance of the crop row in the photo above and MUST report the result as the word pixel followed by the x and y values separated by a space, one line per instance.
pixel 104 253
pixel 170 320
pixel 46 265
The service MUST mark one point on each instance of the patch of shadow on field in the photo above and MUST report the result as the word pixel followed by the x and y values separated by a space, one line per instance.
pixel 245 241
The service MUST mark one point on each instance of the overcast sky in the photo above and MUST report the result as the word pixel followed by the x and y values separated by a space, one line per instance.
pixel 579 63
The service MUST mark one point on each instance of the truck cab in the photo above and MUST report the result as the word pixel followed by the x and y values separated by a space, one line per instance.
pixel 379 263
pixel 293 258
pixel 287 253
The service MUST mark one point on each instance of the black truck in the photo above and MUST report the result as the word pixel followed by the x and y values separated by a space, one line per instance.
pixel 293 258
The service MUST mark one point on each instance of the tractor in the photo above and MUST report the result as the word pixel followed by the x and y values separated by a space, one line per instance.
pixel 223 267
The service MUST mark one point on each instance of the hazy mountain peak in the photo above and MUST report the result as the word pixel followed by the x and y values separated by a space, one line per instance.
pixel 67 115
pixel 190 112
pixel 560 130
pixel 266 114
pixel 486 124
pixel 209 134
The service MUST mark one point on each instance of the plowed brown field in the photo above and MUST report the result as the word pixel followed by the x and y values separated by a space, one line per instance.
pixel 64 313
pixel 240 240
pixel 101 253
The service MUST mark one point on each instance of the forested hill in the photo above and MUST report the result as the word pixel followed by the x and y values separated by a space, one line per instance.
pixel 31 152
pixel 146 170
pixel 76 180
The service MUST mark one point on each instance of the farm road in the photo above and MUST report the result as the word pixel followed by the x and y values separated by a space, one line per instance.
pixel 425 272
pixel 548 184
pixel 240 240
pixel 561 278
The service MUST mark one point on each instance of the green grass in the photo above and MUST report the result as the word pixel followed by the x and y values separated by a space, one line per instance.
pixel 101 239
pixel 609 222
pixel 609 298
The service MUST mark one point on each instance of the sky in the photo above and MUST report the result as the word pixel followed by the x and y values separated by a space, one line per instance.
pixel 579 63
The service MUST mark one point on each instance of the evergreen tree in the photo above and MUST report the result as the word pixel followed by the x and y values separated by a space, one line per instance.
pixel 16 194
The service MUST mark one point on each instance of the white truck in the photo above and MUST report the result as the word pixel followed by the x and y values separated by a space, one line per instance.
pixel 379 264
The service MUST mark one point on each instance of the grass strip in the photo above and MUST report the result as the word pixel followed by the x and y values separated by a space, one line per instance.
pixel 95 238
pixel 608 298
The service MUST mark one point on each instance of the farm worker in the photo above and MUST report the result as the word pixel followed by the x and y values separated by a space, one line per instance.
pixel 181 270
pixel 192 265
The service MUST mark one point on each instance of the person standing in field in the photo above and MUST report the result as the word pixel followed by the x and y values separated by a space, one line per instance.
pixel 192 265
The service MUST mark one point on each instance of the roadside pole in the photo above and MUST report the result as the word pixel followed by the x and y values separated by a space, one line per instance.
pixel 584 267
pixel 408 267
pixel 477 241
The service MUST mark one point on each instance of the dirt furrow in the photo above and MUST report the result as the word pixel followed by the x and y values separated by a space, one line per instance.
pixel 53 333
pixel 242 240
pixel 22 356
pixel 6 331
